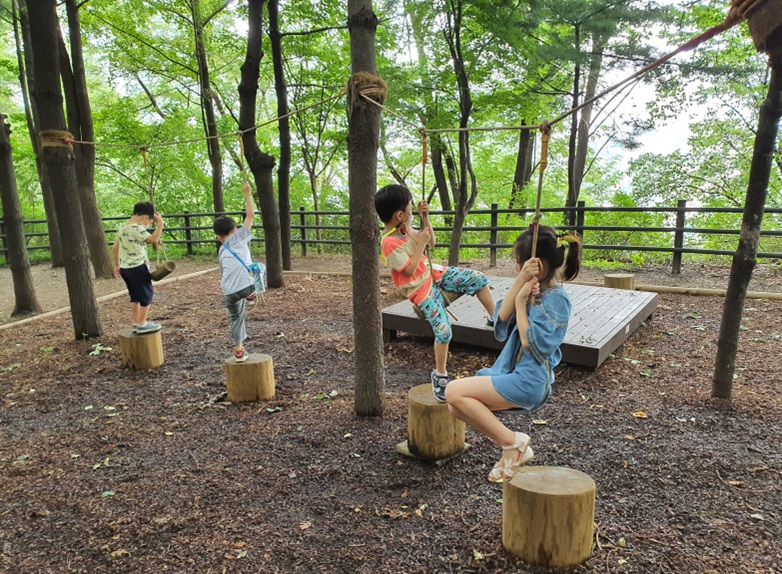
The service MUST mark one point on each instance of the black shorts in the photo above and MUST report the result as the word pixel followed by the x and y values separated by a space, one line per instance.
pixel 139 283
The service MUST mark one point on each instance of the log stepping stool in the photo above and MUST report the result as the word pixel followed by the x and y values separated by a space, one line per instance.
pixel 141 350
pixel 433 434
pixel 251 380
pixel 548 515
pixel 619 281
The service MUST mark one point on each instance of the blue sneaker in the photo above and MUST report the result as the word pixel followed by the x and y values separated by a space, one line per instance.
pixel 148 327
pixel 438 386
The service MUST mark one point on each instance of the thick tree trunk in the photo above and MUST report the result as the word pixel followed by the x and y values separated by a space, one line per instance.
pixel 363 133
pixel 745 257
pixel 207 107
pixel 25 300
pixel 523 172
pixel 260 163
pixel 26 69
pixel 82 129
pixel 59 160
pixel 284 169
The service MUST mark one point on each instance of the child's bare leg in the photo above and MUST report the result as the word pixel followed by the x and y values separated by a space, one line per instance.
pixel 134 311
pixel 472 401
pixel 143 312
pixel 486 299
pixel 441 357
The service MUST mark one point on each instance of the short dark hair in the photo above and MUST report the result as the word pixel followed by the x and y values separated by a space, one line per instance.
pixel 390 199
pixel 144 208
pixel 223 225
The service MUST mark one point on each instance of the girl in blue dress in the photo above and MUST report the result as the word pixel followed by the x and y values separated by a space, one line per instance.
pixel 522 376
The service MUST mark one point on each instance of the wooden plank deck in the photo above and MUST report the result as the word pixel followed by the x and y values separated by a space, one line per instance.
pixel 601 320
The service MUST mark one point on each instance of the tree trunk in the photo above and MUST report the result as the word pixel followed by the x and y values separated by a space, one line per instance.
pixel 572 192
pixel 27 82
pixel 464 199
pixel 438 149
pixel 85 154
pixel 260 163
pixel 25 300
pixel 745 257
pixel 207 108
pixel 523 173
pixel 363 134
pixel 284 169
pixel 59 160
pixel 584 125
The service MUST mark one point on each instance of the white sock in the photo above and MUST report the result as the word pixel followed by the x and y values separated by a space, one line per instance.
pixel 439 374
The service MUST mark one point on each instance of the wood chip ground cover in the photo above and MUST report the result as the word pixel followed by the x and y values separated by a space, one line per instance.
pixel 103 469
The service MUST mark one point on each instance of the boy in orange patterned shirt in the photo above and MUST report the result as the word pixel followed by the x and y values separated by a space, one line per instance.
pixel 403 250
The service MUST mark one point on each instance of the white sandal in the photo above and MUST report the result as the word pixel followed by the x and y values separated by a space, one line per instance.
pixel 503 471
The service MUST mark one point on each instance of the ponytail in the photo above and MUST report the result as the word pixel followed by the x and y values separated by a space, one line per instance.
pixel 573 259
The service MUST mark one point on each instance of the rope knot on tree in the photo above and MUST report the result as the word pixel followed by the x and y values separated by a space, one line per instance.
pixel 367 86
pixel 55 138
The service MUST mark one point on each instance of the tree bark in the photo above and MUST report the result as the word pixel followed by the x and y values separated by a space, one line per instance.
pixel 83 130
pixel 284 169
pixel 363 134
pixel 25 300
pixel 746 254
pixel 59 160
pixel 27 81
pixel 523 173
pixel 584 125
pixel 260 164
pixel 207 107
pixel 572 192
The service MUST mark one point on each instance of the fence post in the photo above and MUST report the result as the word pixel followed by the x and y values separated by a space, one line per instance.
pixel 493 235
pixel 678 237
pixel 188 233
pixel 580 219
pixel 303 223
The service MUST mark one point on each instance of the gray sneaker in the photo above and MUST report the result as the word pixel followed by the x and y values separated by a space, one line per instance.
pixel 148 327
pixel 438 386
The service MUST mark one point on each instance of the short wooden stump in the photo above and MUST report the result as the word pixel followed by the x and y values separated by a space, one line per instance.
pixel 548 515
pixel 251 380
pixel 432 432
pixel 619 281
pixel 141 351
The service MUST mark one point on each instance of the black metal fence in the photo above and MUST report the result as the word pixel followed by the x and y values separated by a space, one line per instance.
pixel 611 232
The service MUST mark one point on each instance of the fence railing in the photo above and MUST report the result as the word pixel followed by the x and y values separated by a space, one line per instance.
pixel 613 231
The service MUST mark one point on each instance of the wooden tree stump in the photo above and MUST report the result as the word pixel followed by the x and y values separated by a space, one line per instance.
pixel 619 281
pixel 251 380
pixel 141 351
pixel 432 432
pixel 548 515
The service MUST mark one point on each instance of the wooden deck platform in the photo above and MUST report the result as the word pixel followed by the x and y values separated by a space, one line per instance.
pixel 601 320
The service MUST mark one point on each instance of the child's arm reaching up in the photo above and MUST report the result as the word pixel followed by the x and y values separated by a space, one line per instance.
pixel 248 205
pixel 529 270
pixel 155 237
pixel 422 238
pixel 423 212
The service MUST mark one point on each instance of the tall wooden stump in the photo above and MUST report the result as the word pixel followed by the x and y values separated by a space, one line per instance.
pixel 432 432
pixel 548 515
pixel 141 351
pixel 619 281
pixel 251 380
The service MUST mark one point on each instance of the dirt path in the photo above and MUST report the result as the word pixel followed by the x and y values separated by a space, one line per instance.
pixel 53 293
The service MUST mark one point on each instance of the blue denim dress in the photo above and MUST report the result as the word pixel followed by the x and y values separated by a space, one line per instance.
pixel 526 382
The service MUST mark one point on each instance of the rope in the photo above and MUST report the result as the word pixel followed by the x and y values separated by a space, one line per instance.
pixel 55 138
pixel 546 131
pixel 150 191
pixel 240 136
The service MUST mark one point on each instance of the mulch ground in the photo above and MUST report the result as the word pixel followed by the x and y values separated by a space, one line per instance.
pixel 103 469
